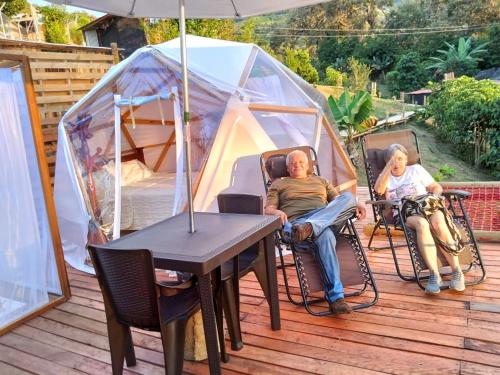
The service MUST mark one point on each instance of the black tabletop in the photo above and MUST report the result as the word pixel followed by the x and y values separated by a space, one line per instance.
pixel 218 238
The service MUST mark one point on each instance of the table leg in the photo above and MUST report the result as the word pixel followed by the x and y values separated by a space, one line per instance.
pixel 272 282
pixel 219 316
pixel 209 326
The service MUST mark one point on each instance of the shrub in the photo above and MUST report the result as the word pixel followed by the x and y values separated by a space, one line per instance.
pixel 444 172
pixel 467 113
pixel 334 77
pixel 359 74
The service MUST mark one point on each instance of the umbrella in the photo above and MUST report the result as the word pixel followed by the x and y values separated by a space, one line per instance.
pixel 189 9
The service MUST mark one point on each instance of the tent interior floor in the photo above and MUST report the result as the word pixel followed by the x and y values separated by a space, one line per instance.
pixel 405 332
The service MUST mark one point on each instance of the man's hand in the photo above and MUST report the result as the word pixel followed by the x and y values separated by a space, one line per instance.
pixel 282 216
pixel 360 211
pixel 272 210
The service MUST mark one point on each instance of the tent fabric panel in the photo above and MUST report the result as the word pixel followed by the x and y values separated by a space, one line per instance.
pixel 25 239
pixel 233 164
pixel 211 59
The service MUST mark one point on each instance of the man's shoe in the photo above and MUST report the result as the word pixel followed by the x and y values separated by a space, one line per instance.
pixel 434 284
pixel 340 307
pixel 457 281
pixel 302 232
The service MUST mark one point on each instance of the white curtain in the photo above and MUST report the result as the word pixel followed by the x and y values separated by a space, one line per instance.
pixel 27 265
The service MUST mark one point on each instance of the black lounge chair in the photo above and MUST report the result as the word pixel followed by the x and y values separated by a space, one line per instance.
pixel 355 270
pixel 374 147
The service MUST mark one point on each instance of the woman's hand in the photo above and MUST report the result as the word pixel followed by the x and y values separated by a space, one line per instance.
pixel 360 211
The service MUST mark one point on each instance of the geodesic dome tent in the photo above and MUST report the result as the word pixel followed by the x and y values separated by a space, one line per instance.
pixel 242 102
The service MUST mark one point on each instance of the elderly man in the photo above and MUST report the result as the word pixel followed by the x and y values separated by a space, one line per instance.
pixel 309 204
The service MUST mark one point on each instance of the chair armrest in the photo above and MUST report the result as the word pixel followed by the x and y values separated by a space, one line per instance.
pixel 383 202
pixel 456 193
pixel 171 288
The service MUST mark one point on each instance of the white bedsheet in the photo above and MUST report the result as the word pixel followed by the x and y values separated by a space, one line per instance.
pixel 147 201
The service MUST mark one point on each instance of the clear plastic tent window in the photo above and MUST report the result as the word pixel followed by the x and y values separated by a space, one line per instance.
pixel 28 271
pixel 242 103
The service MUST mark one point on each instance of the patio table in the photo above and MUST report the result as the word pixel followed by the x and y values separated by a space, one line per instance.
pixel 218 238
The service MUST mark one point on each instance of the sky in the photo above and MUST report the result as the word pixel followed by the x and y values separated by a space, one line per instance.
pixel 69 8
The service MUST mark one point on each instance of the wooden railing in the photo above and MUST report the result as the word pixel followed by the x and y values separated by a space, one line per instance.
pixel 61 75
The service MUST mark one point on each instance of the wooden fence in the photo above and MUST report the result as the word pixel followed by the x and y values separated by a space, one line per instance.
pixel 61 74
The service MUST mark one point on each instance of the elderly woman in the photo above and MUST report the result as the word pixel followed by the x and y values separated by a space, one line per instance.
pixel 398 180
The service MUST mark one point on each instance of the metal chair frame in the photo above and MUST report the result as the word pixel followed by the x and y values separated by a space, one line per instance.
pixel 454 199
pixel 347 232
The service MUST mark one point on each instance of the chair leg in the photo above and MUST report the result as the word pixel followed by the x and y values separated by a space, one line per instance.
pixel 173 340
pixel 129 350
pixel 118 343
pixel 232 316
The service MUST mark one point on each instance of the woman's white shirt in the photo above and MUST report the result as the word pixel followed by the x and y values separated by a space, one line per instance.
pixel 413 181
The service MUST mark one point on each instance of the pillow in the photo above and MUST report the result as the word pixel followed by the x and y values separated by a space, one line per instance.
pixel 134 171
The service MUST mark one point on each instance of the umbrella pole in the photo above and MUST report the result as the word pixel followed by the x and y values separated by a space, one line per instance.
pixel 185 117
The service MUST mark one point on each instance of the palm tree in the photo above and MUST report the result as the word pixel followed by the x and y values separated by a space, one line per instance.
pixel 350 114
pixel 461 59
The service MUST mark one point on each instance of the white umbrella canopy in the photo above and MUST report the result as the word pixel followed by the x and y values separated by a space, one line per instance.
pixel 183 9
pixel 194 8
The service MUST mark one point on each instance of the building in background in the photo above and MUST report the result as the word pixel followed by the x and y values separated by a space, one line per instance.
pixel 127 33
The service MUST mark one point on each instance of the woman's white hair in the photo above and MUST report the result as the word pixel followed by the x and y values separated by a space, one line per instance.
pixel 295 152
pixel 392 149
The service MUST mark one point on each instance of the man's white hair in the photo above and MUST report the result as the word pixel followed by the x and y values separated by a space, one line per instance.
pixel 295 152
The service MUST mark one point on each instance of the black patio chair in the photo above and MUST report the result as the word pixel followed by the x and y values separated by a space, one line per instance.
pixel 355 270
pixel 133 298
pixel 252 259
pixel 374 147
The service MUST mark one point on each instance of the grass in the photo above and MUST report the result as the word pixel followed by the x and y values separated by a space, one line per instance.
pixel 437 157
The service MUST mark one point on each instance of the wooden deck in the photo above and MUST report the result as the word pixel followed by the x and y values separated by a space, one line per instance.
pixel 406 332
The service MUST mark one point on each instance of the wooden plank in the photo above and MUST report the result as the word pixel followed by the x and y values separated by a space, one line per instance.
pixel 482 346
pixel 58 99
pixel 282 109
pixel 86 75
pixel 31 363
pixel 5 368
pixel 467 368
pixel 163 152
pixel 489 307
pixel 43 64
pixel 72 56
pixel 49 87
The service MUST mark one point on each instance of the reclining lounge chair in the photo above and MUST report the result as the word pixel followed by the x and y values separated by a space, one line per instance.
pixel 355 271
pixel 374 147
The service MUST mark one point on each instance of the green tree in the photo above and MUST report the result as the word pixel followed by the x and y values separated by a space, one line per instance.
pixel 359 74
pixel 13 7
pixel 492 58
pixel 299 61
pixel 77 20
pixel 462 59
pixel 56 21
pixel 350 112
pixel 160 31
pixel 409 74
